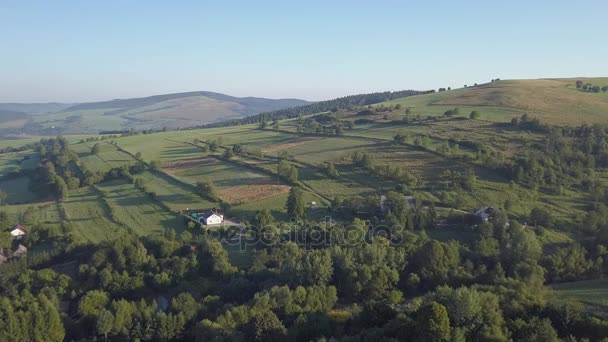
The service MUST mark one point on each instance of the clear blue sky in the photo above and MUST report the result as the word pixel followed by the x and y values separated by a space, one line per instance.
pixel 74 51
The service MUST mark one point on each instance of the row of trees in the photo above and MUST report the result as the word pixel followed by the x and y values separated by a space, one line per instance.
pixel 590 87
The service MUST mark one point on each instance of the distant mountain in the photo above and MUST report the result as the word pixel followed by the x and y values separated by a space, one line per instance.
pixel 34 108
pixel 172 111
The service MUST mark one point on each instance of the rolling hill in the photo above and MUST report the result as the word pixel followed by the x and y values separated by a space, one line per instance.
pixel 555 101
pixel 154 112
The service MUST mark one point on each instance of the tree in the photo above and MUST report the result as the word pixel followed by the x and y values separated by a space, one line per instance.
pixel 288 171
pixel 155 165
pixel 265 326
pixel 605 89
pixel 263 124
pixel 275 124
pixel 206 189
pixel 295 203
pixel 433 323
pixel 330 169
pixel 96 149
pixel 534 329
pixel 228 153
pixel 263 218
pixel 579 84
pixel 541 216
pixel 398 209
pixel 93 303
pixel 105 322
pixel 185 305
pixel 55 332
pixel 474 115
pixel 3 197
pixel 60 187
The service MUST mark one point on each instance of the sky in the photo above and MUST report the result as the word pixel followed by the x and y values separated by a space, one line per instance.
pixel 78 51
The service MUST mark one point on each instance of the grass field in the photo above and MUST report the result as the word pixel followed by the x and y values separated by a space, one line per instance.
pixel 134 209
pixel 17 190
pixel 173 193
pixel 594 292
pixel 89 217
pixel 30 214
pixel 319 150
pixel 107 160
pixel 13 162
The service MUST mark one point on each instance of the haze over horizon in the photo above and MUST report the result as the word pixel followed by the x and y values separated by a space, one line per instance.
pixel 79 52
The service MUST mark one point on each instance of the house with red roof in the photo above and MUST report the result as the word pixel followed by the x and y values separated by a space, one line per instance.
pixel 18 231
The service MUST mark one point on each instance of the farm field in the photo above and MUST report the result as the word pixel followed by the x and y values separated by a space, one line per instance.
pixel 47 213
pixel 318 150
pixel 17 190
pixel 89 216
pixel 235 183
pixel 105 161
pixel 134 209
pixel 593 292
pixel 173 193
pixel 13 162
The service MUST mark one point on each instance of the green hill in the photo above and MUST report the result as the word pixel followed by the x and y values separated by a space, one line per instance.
pixel 556 101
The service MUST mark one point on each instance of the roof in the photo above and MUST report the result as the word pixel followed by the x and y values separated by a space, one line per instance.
pixel 207 214
pixel 19 227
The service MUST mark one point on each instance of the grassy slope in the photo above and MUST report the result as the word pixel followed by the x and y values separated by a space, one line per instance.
pixel 134 209
pixel 594 292
pixel 552 100
pixel 88 215
pixel 173 193
pixel 175 147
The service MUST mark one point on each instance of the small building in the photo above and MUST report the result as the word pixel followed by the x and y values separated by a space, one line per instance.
pixel 18 231
pixel 210 218
pixel 485 213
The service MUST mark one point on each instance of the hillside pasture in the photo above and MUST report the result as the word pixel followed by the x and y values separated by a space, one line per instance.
pixel 136 210
pixel 316 151
pixel 89 217
pixel 551 100
pixel 18 190
pixel 105 161
pixel 16 161
pixel 174 193
pixel 235 183
pixel 31 214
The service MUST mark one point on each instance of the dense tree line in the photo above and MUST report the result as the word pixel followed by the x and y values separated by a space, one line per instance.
pixel 353 283
pixel 588 87
pixel 321 106
pixel 60 169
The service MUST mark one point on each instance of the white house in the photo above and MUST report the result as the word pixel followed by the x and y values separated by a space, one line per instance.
pixel 18 231
pixel 210 217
